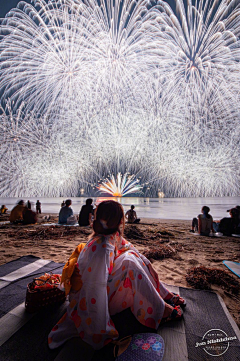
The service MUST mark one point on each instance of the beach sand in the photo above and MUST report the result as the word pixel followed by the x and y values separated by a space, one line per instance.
pixel 182 249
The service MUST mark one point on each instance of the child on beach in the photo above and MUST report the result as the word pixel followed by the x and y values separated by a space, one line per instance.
pixel 111 275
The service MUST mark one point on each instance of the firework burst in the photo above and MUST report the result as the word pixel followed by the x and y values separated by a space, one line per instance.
pixel 91 88
pixel 121 186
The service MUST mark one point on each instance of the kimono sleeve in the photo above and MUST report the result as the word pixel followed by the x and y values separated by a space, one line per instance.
pixel 92 318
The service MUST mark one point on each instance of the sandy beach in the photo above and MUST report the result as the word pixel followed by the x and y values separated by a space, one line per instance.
pixel 170 246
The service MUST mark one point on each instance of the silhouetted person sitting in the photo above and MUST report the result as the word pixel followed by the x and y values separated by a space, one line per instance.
pixel 3 209
pixel 131 216
pixel 65 212
pixel 229 225
pixel 16 215
pixel 204 223
pixel 29 217
pixel 86 213
pixel 38 207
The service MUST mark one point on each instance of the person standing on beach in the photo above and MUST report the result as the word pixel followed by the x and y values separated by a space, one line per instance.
pixel 65 212
pixel 29 206
pixel 86 213
pixel 38 207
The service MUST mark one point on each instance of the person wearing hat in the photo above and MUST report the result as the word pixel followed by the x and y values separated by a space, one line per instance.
pixel 229 225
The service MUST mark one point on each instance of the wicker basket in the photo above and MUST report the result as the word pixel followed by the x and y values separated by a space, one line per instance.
pixel 37 298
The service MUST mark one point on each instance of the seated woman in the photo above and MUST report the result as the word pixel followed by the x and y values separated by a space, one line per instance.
pixel 29 217
pixel 16 215
pixel 110 276
pixel 204 223
pixel 3 209
pixel 65 212
pixel 85 215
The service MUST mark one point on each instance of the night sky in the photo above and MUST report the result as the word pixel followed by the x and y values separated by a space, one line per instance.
pixel 6 5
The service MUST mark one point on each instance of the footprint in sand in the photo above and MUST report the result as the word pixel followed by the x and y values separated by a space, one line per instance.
pixel 193 262
pixel 178 272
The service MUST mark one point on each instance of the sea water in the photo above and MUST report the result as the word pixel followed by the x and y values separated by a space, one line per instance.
pixel 160 208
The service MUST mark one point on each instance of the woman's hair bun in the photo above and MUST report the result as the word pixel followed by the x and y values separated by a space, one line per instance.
pixel 109 215
pixel 97 227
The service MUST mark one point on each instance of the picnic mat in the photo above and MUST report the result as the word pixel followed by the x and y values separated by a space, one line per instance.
pixel 144 346
pixel 233 266
pixel 60 225
pixel 206 329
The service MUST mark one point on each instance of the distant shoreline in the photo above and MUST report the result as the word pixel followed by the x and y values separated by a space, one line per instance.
pixel 147 208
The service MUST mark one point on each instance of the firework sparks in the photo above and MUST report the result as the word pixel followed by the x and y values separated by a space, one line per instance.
pixel 91 88
pixel 121 186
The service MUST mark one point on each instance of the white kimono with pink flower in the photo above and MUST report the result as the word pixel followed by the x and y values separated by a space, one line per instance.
pixel 114 276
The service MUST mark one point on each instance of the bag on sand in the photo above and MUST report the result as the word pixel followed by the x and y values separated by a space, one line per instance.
pixel 44 291
pixel 71 220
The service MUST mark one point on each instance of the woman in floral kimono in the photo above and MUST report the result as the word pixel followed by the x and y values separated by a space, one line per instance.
pixel 111 275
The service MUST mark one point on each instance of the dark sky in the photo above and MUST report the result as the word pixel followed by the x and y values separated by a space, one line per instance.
pixel 6 5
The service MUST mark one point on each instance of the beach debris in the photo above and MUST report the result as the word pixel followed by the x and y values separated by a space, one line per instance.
pixel 203 277
pixel 51 232
pixel 162 251
pixel 133 232
pixel 151 235
pixel 171 248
